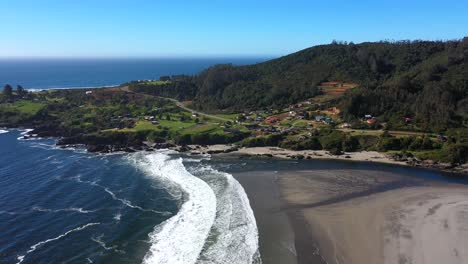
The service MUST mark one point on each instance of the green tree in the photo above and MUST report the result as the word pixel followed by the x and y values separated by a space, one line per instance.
pixel 8 91
pixel 20 91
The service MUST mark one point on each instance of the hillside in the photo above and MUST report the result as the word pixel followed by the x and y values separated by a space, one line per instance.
pixel 425 80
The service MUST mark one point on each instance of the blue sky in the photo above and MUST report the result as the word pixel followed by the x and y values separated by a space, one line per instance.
pixel 152 28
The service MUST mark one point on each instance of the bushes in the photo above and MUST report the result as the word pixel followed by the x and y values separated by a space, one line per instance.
pixel 456 153
pixel 210 138
pixel 389 143
pixel 367 142
pixel 263 141
pixel 333 142
pixel 307 144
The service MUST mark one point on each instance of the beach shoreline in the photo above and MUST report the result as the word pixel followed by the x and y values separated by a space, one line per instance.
pixel 280 153
pixel 359 216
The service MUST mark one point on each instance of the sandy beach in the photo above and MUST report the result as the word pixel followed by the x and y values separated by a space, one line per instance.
pixel 362 217
pixel 280 153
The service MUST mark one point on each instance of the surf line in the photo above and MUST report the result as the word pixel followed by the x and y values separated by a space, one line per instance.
pixel 35 246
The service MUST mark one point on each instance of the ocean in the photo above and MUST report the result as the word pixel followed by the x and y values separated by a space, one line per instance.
pixel 45 73
pixel 69 206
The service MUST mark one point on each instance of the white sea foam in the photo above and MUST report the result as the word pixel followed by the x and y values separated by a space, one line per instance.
pixel 71 209
pixel 181 238
pixel 234 233
pixel 117 216
pixel 35 246
pixel 3 131
pixel 114 196
pixel 99 241
pixel 26 131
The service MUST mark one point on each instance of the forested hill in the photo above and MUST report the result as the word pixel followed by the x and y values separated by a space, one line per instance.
pixel 422 79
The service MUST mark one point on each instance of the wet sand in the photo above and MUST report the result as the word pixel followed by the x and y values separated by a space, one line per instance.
pixel 276 233
pixel 367 217
pixel 357 216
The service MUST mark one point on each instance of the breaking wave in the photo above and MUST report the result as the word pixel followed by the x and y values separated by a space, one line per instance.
pixel 214 224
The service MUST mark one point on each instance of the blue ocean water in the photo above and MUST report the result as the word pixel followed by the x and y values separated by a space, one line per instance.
pixel 72 73
pixel 69 206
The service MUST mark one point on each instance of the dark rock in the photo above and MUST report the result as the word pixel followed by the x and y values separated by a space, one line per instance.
pixel 130 150
pixel 97 148
pixel 215 151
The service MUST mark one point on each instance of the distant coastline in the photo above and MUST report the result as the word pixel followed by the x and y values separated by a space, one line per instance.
pixel 69 73
pixel 72 88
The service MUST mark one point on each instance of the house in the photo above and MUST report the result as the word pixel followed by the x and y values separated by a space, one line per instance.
pixel 154 122
pixel 327 120
pixel 292 113
pixel 89 92
pixel 368 117
pixel 345 125
pixel 272 120
pixel 371 121
pixel 408 119
pixel 441 138
pixel 194 115
pixel 319 118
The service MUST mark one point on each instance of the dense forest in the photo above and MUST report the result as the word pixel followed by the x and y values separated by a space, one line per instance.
pixel 425 80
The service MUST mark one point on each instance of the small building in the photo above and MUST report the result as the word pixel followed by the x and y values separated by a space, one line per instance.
pixel 154 122
pixel 327 120
pixel 259 118
pixel 88 92
pixel 345 125
pixel 408 119
pixel 441 138
pixel 272 120
pixel 368 116
pixel 194 115
pixel 319 118
pixel 371 121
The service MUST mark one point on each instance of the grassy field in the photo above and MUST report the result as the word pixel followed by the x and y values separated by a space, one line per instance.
pixel 171 125
pixel 155 82
pixel 25 107
pixel 228 116
pixel 296 123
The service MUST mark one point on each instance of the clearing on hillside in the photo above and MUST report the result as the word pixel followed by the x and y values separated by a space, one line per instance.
pixel 332 90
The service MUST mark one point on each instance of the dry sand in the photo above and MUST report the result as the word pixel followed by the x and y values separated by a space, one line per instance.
pixel 372 156
pixel 360 217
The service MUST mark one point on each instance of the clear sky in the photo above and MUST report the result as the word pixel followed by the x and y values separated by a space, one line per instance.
pixel 128 28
